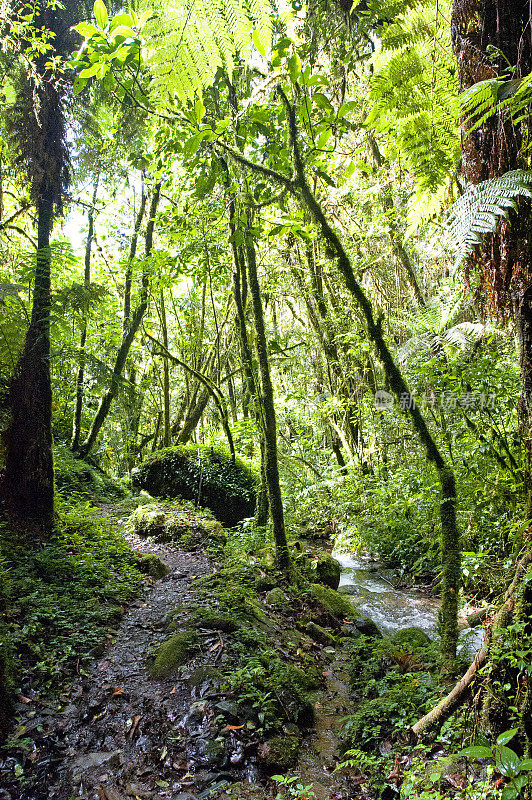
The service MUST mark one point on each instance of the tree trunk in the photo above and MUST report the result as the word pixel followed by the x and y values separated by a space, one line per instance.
pixel 128 337
pixel 28 485
pixel 76 425
pixel 450 550
pixel 131 256
pixel 269 422
pixel 166 377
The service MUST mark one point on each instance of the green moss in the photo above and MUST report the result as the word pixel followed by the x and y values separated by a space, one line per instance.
pixel 206 475
pixel 280 752
pixel 153 566
pixel 328 570
pixel 411 637
pixel 173 653
pixel 149 520
pixel 75 477
pixel 335 603
pixel 201 617
pixel 276 598
pixel 320 635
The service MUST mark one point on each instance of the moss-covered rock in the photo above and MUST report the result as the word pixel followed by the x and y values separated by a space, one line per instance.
pixel 328 570
pixel 276 598
pixel 332 601
pixel 216 622
pixel 149 520
pixel 369 628
pixel 280 752
pixel 320 635
pixel 173 653
pixel 411 637
pixel 205 475
pixel 152 565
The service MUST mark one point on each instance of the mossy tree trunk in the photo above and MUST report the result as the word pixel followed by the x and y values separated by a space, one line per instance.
pixel 250 388
pixel 28 485
pixel 271 466
pixel 78 407
pixel 128 336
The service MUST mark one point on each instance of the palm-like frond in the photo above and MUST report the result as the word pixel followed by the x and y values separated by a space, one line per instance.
pixel 188 41
pixel 481 208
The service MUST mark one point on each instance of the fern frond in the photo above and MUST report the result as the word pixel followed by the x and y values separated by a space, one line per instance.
pixel 188 42
pixel 481 208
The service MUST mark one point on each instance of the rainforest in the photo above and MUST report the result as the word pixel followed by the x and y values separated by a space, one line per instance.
pixel 266 400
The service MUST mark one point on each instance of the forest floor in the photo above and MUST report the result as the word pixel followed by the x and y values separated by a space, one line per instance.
pixel 119 732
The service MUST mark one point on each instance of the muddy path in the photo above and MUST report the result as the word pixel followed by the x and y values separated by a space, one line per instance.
pixel 120 733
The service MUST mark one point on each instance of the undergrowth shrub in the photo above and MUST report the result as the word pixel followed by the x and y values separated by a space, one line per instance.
pixel 393 684
pixel 205 475
pixel 76 477
pixel 64 592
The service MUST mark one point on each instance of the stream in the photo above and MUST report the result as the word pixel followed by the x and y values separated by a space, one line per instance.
pixel 392 609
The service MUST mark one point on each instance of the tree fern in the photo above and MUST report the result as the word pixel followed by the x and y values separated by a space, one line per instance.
pixel 187 42
pixel 481 208
pixel 414 101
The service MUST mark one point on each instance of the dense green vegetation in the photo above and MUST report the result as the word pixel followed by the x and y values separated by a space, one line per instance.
pixel 274 262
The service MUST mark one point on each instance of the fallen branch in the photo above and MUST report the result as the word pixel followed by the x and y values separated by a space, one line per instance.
pixel 432 722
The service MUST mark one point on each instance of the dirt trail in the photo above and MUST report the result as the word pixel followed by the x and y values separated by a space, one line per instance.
pixel 122 734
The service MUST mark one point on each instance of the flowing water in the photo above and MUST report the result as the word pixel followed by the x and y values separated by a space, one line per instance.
pixel 391 608
pixel 374 596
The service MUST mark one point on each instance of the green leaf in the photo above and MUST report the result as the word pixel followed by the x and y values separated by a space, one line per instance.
pixel 86 29
pixel 349 170
pixel 507 736
pixel 476 751
pixel 323 102
pixel 507 761
pixel 123 30
pixel 191 145
pixel 351 105
pixel 323 138
pixel 121 19
pixel 199 109
pixel 526 764
pixel 100 14
pixel 327 178
pixel 88 72
pixel 79 85
pixel 294 67
pixel 257 42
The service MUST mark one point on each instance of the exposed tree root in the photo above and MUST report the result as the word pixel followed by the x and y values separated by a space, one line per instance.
pixel 430 724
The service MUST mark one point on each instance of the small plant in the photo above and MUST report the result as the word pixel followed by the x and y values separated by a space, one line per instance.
pixel 507 763
pixel 296 791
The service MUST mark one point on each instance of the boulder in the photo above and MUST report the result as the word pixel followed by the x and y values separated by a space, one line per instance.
pixel 152 565
pixel 276 598
pixel 280 752
pixel 206 475
pixel 173 653
pixel 332 601
pixel 328 570
pixel 320 635
pixel 411 637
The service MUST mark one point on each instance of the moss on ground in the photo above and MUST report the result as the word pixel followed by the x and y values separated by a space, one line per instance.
pixel 173 653
pixel 75 476
pixel 332 601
